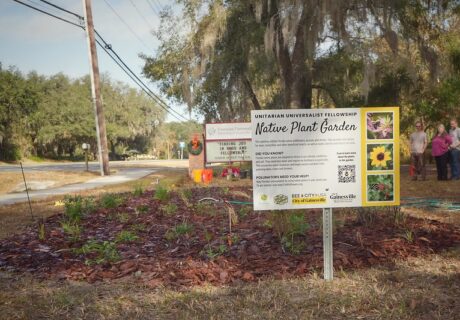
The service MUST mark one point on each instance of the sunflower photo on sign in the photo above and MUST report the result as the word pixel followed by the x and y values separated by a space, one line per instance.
pixel 380 156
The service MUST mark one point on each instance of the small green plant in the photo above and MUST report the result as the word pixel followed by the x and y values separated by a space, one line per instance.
pixel 41 231
pixel 142 209
pixel 181 229
pixel 100 252
pixel 289 226
pixel 244 211
pixel 170 209
pixel 203 208
pixel 409 235
pixel 161 194
pixel 122 217
pixel 139 227
pixel 225 190
pixel 186 195
pixel 213 252
pixel 72 230
pixel 111 200
pixel 366 216
pixel 77 207
pixel 399 217
pixel 126 236
pixel 138 190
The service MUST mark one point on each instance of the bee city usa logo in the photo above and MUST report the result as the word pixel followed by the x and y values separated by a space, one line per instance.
pixel 309 198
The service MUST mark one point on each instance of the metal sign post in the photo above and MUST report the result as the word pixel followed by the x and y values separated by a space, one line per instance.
pixel 327 244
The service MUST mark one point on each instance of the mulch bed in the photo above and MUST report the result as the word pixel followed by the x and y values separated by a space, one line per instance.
pixel 254 253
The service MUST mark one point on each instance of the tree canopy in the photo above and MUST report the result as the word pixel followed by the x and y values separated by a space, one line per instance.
pixel 226 57
pixel 52 116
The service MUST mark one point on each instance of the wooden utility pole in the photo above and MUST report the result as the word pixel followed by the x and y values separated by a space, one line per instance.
pixel 95 90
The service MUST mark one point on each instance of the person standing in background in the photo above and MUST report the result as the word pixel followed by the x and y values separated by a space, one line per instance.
pixel 440 151
pixel 418 143
pixel 454 150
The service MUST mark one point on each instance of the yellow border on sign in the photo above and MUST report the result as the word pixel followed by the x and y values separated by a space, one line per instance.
pixel 396 165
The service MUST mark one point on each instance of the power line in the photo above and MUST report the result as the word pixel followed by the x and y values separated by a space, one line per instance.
pixel 141 15
pixel 62 9
pixel 107 47
pixel 153 9
pixel 127 25
pixel 151 93
pixel 47 13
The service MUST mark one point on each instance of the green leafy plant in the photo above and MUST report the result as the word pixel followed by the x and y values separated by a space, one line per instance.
pixel 126 236
pixel 409 235
pixel 111 200
pixel 366 216
pixel 139 227
pixel 41 231
pixel 161 194
pixel 138 190
pixel 170 209
pixel 399 217
pixel 100 252
pixel 289 227
pixel 77 207
pixel 244 211
pixel 186 195
pixel 72 229
pixel 181 229
pixel 142 209
pixel 122 217
pixel 213 252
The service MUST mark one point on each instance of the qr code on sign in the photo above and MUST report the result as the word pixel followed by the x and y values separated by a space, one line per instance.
pixel 347 174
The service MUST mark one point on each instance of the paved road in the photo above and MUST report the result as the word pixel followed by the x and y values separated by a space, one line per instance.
pixel 126 171
pixel 93 166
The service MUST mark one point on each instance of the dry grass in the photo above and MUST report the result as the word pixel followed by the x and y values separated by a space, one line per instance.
pixel 421 288
pixel 10 180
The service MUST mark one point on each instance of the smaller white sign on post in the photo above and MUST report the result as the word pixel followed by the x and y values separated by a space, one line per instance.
pixel 228 142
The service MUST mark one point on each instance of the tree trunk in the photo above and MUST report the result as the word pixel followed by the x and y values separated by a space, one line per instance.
pixel 295 74
pixel 252 95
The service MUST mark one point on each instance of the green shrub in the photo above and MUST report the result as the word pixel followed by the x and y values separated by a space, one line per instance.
pixel 213 252
pixel 179 230
pixel 126 236
pixel 111 200
pixel 105 251
pixel 170 209
pixel 289 226
pixel 77 207
pixel 142 209
pixel 161 194
pixel 138 190
pixel 72 230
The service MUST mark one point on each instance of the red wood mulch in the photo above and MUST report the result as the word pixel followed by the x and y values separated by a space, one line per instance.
pixel 256 254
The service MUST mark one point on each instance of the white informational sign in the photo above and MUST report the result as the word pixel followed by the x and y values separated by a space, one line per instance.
pixel 228 142
pixel 227 151
pixel 228 131
pixel 325 158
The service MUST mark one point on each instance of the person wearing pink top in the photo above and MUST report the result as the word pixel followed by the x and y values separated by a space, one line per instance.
pixel 440 151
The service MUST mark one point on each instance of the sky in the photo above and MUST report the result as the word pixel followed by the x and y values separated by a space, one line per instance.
pixel 30 40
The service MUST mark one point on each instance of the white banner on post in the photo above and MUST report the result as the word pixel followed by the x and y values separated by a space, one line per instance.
pixel 325 158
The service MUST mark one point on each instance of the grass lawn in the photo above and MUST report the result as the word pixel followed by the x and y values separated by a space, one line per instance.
pixel 422 287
